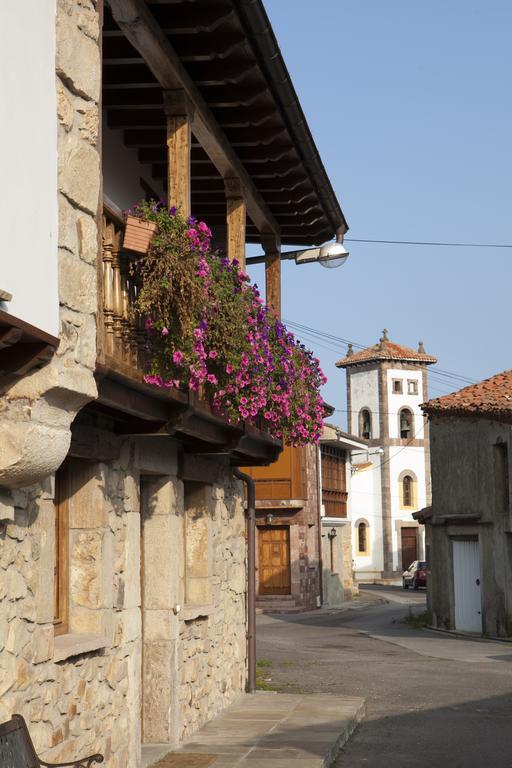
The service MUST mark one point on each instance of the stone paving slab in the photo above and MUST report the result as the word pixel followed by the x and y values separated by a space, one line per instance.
pixel 272 730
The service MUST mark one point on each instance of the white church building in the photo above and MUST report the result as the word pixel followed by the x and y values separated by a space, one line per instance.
pixel 386 383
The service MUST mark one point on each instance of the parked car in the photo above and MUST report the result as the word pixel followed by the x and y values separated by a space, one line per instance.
pixel 416 575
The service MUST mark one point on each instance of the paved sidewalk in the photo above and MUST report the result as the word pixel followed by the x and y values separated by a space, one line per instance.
pixel 270 730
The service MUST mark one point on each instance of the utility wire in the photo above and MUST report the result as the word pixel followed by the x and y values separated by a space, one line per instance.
pixel 421 242
pixel 391 457
pixel 335 340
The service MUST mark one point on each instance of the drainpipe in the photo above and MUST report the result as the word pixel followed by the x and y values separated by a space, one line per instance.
pixel 319 492
pixel 251 578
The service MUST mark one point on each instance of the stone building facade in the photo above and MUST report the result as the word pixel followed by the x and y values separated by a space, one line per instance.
pixel 469 523
pixel 336 448
pixel 123 578
pixel 184 656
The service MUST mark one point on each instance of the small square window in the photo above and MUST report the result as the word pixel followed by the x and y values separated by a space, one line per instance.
pixel 397 386
pixel 412 387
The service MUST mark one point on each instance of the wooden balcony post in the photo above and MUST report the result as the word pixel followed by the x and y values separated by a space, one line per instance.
pixel 108 292
pixel 272 247
pixel 179 112
pixel 117 295
pixel 235 219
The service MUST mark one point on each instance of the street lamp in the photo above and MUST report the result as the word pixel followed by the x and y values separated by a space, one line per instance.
pixel 330 255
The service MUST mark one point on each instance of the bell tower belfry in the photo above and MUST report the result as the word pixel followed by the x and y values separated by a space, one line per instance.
pixel 386 383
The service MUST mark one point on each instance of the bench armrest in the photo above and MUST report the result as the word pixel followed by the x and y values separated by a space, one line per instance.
pixel 83 762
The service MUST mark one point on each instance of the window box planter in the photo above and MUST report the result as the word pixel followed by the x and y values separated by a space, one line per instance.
pixel 138 234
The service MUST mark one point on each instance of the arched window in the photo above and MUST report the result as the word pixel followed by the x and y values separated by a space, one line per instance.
pixel 365 424
pixel 406 423
pixel 362 538
pixel 407 488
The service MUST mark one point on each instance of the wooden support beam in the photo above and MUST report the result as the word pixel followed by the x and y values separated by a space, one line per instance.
pixel 179 112
pixel 236 217
pixel 272 248
pixel 142 30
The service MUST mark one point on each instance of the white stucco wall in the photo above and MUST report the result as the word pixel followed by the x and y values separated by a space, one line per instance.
pixel 365 504
pixel 410 459
pixel 28 136
pixel 364 393
pixel 396 402
pixel 122 171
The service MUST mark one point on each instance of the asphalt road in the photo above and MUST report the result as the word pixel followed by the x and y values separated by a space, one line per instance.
pixel 432 700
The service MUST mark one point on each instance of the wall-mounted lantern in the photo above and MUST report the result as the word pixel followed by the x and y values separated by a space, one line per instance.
pixel 269 518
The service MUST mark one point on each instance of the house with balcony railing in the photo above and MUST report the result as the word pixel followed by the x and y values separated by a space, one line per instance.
pixel 123 530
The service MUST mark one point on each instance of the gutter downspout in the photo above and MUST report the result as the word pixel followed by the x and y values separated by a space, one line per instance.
pixel 251 578
pixel 319 492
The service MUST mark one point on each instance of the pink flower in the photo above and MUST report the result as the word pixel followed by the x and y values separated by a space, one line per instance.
pixel 229 368
pixel 177 357
pixel 165 331
pixel 198 334
pixel 212 378
pixel 212 354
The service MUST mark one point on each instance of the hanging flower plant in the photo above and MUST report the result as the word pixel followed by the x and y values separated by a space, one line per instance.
pixel 209 331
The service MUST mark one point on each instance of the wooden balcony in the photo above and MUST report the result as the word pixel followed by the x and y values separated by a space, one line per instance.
pixel 335 503
pixel 138 408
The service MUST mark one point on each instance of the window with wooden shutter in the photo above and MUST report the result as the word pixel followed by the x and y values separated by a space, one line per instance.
pixel 334 482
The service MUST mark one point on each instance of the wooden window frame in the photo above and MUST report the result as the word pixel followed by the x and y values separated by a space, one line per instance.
pixel 412 386
pixel 61 552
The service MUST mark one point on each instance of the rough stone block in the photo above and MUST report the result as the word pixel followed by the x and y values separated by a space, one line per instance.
pixel 86 569
pixel 156 456
pixel 78 59
pixel 88 507
pixel 87 239
pixel 158 685
pixel 77 283
pixel 65 111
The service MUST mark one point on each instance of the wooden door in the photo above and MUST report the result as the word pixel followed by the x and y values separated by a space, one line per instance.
pixel 274 560
pixel 409 546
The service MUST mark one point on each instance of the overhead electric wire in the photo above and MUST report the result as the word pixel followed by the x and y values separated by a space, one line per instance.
pixel 333 340
pixel 429 243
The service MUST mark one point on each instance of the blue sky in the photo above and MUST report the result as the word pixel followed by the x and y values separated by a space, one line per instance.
pixel 409 104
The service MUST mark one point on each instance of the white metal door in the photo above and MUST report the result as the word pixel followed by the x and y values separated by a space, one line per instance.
pixel 466 580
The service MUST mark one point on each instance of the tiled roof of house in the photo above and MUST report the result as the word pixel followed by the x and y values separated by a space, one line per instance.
pixel 385 350
pixel 491 396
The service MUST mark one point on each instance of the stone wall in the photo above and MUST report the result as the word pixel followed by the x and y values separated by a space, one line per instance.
pixel 468 501
pixel 83 691
pixel 212 657
pixel 37 410
pixel 74 702
pixel 337 575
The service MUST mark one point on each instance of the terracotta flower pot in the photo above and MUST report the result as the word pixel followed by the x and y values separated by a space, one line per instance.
pixel 138 234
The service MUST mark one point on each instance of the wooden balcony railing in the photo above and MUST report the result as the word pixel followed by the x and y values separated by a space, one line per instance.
pixel 124 336
pixel 136 407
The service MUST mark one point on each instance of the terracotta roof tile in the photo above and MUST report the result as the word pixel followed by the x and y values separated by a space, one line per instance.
pixel 385 350
pixel 491 396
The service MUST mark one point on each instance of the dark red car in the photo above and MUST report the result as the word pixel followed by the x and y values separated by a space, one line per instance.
pixel 416 575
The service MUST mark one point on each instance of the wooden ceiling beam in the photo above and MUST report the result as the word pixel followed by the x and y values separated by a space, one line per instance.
pixel 144 33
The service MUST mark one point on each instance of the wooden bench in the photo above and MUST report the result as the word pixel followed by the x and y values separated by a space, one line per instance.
pixel 17 750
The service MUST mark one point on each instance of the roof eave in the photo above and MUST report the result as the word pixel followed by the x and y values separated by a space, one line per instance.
pixel 259 29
